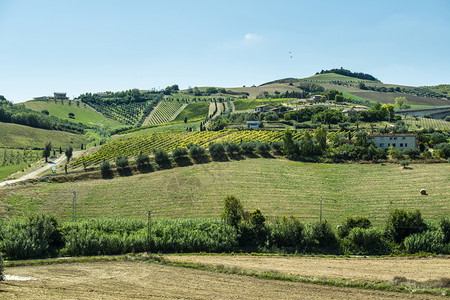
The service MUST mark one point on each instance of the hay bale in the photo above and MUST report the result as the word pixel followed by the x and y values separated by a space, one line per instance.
pixel 423 192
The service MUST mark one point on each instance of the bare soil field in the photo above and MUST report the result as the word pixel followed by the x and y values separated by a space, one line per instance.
pixel 130 280
pixel 359 268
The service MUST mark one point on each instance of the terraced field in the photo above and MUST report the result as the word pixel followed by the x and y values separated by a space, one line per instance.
pixel 165 112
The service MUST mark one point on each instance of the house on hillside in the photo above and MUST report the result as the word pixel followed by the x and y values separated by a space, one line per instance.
pixel 396 141
pixel 57 95
pixel 264 108
pixel 316 98
pixel 102 95
pixel 253 124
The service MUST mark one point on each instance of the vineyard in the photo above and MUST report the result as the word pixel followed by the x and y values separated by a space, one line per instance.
pixel 194 112
pixel 171 140
pixel 421 123
pixel 165 112
pixel 244 104
pixel 11 157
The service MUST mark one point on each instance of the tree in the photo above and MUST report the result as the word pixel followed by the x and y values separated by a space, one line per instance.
pixel 290 149
pixel 401 103
pixel 121 161
pixel 402 224
pixel 68 152
pixel 320 134
pixel 233 211
pixel 47 150
pixel 185 120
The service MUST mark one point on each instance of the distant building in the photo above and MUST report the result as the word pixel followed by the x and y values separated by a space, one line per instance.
pixel 351 111
pixel 396 141
pixel 316 98
pixel 59 95
pixel 41 98
pixel 102 95
pixel 253 124
pixel 264 108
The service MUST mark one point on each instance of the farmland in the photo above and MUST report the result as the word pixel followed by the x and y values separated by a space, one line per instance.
pixel 421 123
pixel 278 187
pixel 125 280
pixel 194 112
pixel 25 137
pixel 82 113
pixel 165 111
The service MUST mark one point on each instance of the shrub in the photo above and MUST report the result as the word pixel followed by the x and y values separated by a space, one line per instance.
pixel 413 153
pixel 121 161
pixel 179 153
pixel 248 147
pixel 350 223
pixel 142 159
pixel 444 149
pixel 217 151
pixel 286 233
pixel 395 153
pixel 161 157
pixel 404 163
pixel 365 241
pixel 197 153
pixel 444 226
pixel 35 237
pixel 402 224
pixel 232 149
pixel 263 148
pixel 105 169
pixel 428 241
pixel 233 211
pixel 2 269
pixel 320 238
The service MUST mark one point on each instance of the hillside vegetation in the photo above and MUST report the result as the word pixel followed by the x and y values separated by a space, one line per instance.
pixel 25 137
pixel 277 187
pixel 82 113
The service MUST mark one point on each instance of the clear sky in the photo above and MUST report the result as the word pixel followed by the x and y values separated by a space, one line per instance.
pixel 93 46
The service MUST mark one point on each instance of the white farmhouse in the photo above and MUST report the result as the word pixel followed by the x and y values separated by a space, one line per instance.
pixel 396 141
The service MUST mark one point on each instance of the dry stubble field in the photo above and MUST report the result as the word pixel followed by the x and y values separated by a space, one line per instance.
pixel 127 280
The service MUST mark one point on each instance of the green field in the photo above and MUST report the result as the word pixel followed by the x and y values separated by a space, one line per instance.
pixel 24 137
pixel 327 77
pixel 278 187
pixel 422 123
pixel 194 112
pixel 244 104
pixel 164 112
pixel 83 114
pixel 8 170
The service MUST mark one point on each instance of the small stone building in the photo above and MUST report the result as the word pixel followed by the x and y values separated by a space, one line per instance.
pixel 396 141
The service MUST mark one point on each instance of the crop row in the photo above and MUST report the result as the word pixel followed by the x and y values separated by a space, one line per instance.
pixel 164 112
pixel 428 123
pixel 171 140
pixel 9 157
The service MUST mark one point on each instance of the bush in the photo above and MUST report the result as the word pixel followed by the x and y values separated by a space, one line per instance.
pixel 217 151
pixel 320 238
pixel 248 147
pixel 395 153
pixel 105 169
pixel 179 153
pixel 278 146
pixel 232 149
pixel 233 211
pixel 263 149
pixel 413 153
pixel 286 233
pixel 401 224
pixel 142 159
pixel 2 269
pixel 121 161
pixel 161 158
pixel 35 237
pixel 197 153
pixel 444 226
pixel 404 163
pixel 350 223
pixel 365 241
pixel 428 241
pixel 444 149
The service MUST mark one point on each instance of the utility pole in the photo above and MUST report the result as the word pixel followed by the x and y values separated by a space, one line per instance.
pixel 74 206
pixel 149 215
pixel 320 218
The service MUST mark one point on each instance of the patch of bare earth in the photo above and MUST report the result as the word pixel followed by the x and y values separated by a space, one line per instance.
pixel 370 269
pixel 128 280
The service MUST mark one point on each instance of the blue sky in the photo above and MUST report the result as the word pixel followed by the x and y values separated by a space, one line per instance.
pixel 93 46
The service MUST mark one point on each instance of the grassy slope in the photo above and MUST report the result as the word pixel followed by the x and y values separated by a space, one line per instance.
pixel 278 187
pixel 333 77
pixel 194 111
pixel 8 170
pixel 82 115
pixel 245 104
pixel 20 136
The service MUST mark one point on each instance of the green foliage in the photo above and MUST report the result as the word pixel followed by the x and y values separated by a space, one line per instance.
pixel 428 241
pixel 217 151
pixel 349 73
pixel 290 149
pixel 233 211
pixel 68 152
pixel 47 150
pixel 161 157
pixel 35 237
pixel 142 159
pixel 401 103
pixel 320 237
pixel 395 153
pixel 353 222
pixel 122 161
pixel 444 226
pixel 413 153
pixel 365 241
pixel 405 163
pixel 2 269
pixel 263 148
pixel 286 233
pixel 194 112
pixel 179 153
pixel 232 149
pixel 400 127
pixel 257 219
pixel 197 153
pixel 105 169
pixel 403 223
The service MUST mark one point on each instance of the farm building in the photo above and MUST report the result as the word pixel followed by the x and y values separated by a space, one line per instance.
pixel 316 98
pixel 60 95
pixel 253 124
pixel 264 108
pixel 351 111
pixel 396 141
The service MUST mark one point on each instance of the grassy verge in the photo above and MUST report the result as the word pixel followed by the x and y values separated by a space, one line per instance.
pixel 8 170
